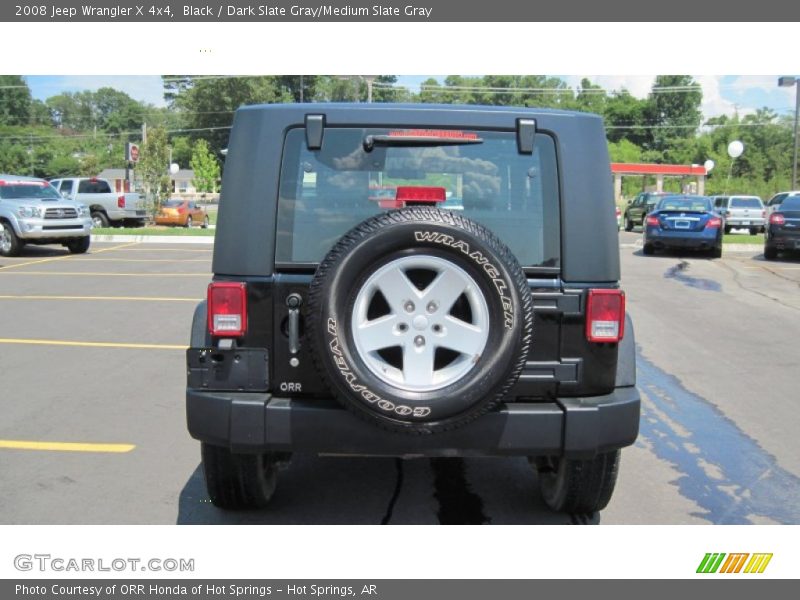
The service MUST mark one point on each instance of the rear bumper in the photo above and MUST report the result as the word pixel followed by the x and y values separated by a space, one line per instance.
pixel 259 422
pixel 127 214
pixel 681 239
pixel 782 241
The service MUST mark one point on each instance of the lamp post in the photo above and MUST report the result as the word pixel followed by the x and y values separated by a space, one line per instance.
pixel 789 82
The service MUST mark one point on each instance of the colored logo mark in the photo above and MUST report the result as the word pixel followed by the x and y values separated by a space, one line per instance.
pixel 719 562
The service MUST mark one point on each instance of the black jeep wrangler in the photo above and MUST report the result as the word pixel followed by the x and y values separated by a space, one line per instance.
pixel 414 280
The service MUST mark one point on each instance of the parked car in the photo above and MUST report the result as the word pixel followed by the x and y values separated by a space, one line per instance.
pixel 775 202
pixel 185 213
pixel 686 222
pixel 639 207
pixel 107 207
pixel 783 230
pixel 335 326
pixel 741 212
pixel 33 212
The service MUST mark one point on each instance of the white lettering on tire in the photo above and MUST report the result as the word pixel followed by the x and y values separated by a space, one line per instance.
pixel 374 399
pixel 477 256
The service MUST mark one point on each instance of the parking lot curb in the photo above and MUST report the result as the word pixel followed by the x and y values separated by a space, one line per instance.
pixel 156 239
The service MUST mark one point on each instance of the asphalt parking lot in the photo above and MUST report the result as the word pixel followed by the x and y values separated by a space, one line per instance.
pixel 93 428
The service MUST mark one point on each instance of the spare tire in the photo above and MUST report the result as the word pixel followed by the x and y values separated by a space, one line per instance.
pixel 420 320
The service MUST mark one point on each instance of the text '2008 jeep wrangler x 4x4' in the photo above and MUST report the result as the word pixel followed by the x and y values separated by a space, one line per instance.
pixel 414 281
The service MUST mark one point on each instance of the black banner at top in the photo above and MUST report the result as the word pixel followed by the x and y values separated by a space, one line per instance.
pixel 399 11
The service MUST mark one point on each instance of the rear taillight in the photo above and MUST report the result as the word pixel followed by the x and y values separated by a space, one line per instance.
pixel 181 210
pixel 605 315
pixel 121 202
pixel 777 219
pixel 227 309
pixel 652 221
pixel 714 223
pixel 618 212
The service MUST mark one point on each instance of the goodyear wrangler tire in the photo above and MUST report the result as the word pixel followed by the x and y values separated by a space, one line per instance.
pixel 420 320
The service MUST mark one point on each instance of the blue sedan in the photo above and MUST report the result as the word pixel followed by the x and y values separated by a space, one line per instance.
pixel 684 222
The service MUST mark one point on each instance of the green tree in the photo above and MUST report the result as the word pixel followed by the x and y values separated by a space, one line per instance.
pixel 205 167
pixel 15 100
pixel 152 167
pixel 674 110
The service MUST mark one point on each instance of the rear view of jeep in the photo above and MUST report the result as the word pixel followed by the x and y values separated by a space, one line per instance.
pixel 414 280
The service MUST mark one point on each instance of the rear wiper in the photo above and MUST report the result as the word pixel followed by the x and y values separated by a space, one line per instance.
pixel 371 141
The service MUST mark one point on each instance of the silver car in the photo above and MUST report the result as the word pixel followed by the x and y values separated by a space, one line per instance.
pixel 33 212
pixel 741 212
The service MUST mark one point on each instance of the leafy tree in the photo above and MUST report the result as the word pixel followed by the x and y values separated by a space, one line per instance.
pixel 205 167
pixel 674 110
pixel 15 100
pixel 152 167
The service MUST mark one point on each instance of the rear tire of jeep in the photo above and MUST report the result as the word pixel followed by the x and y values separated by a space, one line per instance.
pixel 238 481
pixel 577 486
pixel 420 320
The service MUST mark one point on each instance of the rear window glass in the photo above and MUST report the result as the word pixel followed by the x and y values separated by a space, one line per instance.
pixel 326 192
pixel 93 187
pixel 689 204
pixel 745 203
pixel 25 189
pixel 791 203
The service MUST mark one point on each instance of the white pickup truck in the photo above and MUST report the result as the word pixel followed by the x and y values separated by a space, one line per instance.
pixel 106 206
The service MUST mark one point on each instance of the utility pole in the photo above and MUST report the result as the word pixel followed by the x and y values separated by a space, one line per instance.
pixel 789 82
pixel 144 133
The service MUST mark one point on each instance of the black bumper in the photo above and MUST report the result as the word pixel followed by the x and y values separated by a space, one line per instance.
pixel 258 422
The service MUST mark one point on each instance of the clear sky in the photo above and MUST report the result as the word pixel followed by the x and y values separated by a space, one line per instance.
pixel 721 94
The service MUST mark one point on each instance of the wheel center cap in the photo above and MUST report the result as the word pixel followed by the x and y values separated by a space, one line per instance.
pixel 420 322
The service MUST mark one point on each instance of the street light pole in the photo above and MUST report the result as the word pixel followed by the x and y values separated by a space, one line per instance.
pixel 789 82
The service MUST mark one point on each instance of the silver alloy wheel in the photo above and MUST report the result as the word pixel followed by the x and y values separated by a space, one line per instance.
pixel 97 221
pixel 440 330
pixel 5 239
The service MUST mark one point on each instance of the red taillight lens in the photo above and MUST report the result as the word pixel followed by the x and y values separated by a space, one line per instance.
pixel 227 309
pixel 413 193
pixel 777 219
pixel 618 212
pixel 652 221
pixel 714 223
pixel 121 202
pixel 605 315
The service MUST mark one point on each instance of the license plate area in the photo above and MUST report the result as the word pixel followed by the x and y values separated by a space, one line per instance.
pixel 235 370
pixel 745 222
pixel 682 224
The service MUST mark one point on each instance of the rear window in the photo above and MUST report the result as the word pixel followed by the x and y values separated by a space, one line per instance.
pixel 791 203
pixel 87 186
pixel 326 192
pixel 745 203
pixel 172 203
pixel 687 204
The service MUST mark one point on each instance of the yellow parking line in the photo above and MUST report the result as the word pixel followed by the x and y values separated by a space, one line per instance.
pixel 151 249
pixel 93 274
pixel 66 446
pixel 65 257
pixel 771 268
pixel 124 298
pixel 91 344
pixel 143 260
